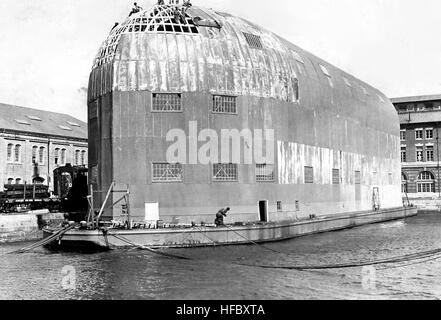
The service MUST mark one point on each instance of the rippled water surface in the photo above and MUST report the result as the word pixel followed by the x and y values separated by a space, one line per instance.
pixel 217 273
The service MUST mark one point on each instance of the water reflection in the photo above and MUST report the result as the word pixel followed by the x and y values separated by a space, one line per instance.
pixel 215 273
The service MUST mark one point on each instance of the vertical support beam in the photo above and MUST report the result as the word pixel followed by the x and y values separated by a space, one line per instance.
pixel 104 203
pixel 128 207
pixel 437 150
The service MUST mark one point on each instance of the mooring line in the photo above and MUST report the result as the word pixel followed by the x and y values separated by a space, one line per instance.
pixel 404 258
pixel 147 248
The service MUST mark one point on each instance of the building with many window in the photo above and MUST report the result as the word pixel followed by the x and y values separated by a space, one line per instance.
pixel 34 142
pixel 420 121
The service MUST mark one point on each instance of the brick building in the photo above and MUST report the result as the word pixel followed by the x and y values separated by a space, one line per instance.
pixel 34 142
pixel 420 121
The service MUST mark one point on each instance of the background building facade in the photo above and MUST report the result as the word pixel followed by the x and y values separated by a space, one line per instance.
pixel 33 143
pixel 420 121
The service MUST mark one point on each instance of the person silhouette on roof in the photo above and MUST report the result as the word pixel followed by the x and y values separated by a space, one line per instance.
pixel 135 9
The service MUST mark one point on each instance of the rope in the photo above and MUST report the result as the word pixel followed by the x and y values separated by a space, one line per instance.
pixel 43 242
pixel 148 249
pixel 404 258
pixel 215 243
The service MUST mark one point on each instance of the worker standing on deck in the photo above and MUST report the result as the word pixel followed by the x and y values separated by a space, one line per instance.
pixel 220 217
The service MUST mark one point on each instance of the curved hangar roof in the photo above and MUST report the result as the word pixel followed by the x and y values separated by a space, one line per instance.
pixel 206 50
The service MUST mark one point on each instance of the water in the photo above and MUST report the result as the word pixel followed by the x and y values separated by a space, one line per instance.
pixel 214 273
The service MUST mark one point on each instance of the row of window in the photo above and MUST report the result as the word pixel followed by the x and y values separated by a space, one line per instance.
pixel 172 102
pixel 428 151
pixel 426 106
pixel 38 155
pixel 12 180
pixel 425 183
pixel 166 172
pixel 420 134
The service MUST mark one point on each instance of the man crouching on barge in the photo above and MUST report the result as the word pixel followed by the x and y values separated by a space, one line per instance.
pixel 220 217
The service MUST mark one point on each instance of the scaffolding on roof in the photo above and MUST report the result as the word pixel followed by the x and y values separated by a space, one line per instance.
pixel 159 19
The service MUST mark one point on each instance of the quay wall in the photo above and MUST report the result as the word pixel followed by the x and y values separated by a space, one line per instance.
pixel 25 227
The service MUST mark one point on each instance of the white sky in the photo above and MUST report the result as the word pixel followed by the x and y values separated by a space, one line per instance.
pixel 47 46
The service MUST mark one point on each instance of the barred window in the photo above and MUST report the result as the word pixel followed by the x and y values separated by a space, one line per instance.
pixel 77 157
pixel 167 102
pixel 41 155
pixel 309 175
pixel 357 177
pixel 279 206
pixel 17 153
pixel 9 151
pixel 225 172
pixel 253 40
pixel 57 155
pixel 34 154
pixel 63 156
pixel 335 176
pixel 224 104
pixel 264 173
pixel 167 172
pixel 83 158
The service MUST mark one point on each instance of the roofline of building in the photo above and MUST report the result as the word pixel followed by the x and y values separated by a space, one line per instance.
pixel 40 135
pixel 41 110
pixel 416 98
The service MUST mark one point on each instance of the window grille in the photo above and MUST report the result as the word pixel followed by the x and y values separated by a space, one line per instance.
pixel 426 182
pixel 225 172
pixel 429 134
pixel 17 153
pixel 419 134
pixel 419 154
pixel 224 104
pixel 41 155
pixel 403 154
pixel 430 155
pixel 403 135
pixel 77 157
pixel 83 158
pixel 357 177
pixel 167 102
pixel 253 40
pixel 309 175
pixel 335 176
pixel 57 156
pixel 9 151
pixel 167 172
pixel 63 156
pixel 34 154
pixel 264 173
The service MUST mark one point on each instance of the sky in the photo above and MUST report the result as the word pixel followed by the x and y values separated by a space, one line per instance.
pixel 47 47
